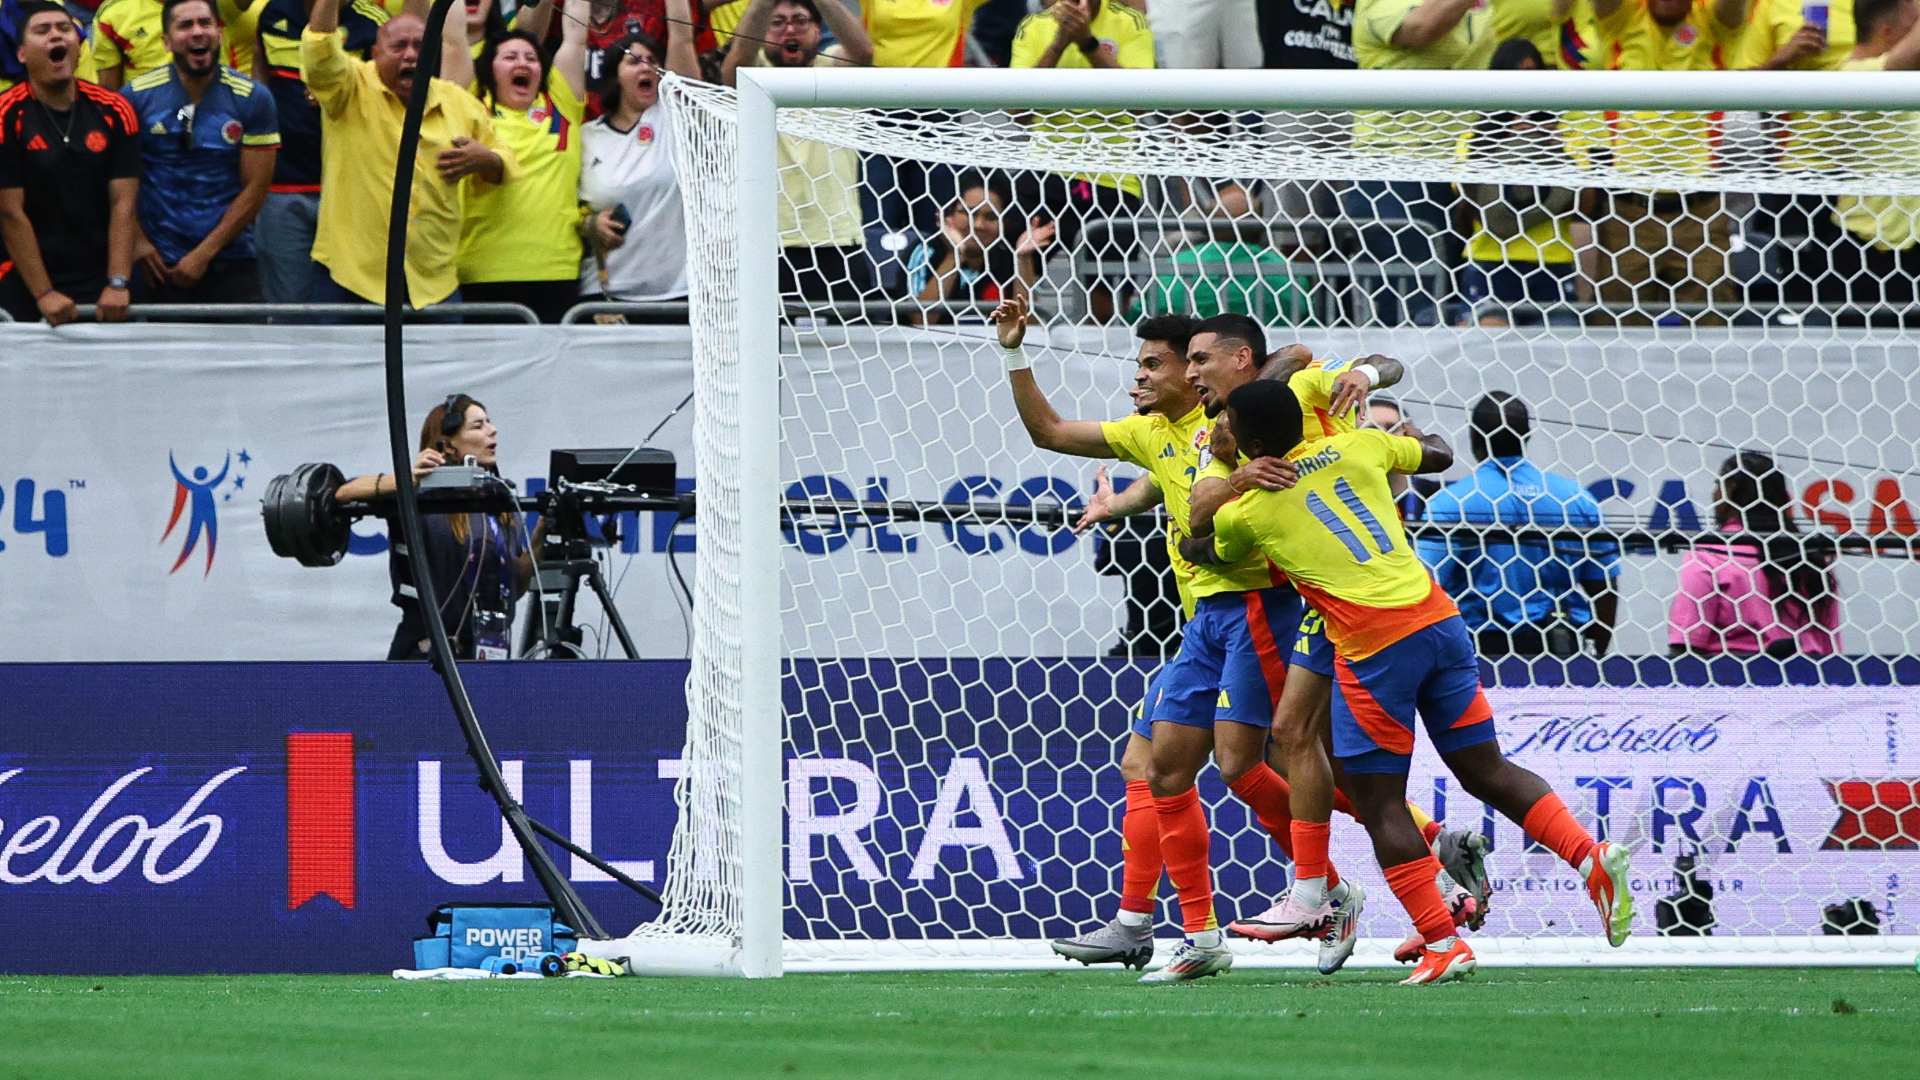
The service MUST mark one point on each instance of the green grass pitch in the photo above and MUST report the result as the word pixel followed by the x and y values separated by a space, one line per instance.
pixel 1252 1023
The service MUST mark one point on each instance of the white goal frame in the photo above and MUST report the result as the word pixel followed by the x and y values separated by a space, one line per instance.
pixel 760 950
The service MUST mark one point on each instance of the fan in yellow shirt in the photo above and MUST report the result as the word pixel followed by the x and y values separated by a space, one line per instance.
pixel 919 33
pixel 362 104
pixel 520 243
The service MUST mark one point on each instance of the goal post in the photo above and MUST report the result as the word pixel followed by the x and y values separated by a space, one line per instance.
pixel 903 737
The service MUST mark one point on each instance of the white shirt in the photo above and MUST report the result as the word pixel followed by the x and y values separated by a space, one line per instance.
pixel 635 169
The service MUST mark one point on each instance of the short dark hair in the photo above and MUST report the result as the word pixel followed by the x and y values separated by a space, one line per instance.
pixel 483 69
pixel 607 86
pixel 1267 412
pixel 1512 53
pixel 42 7
pixel 1175 330
pixel 812 8
pixel 1240 328
pixel 1869 15
pixel 1500 424
pixel 167 8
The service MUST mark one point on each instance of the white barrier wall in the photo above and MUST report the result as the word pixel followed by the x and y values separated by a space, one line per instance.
pixel 95 421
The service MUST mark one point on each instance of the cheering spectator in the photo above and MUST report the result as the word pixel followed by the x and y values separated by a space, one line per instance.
pixel 1083 34
pixel 1792 35
pixel 1521 253
pixel 820 231
pixel 362 104
pixel 520 242
pixel 969 262
pixel 1521 596
pixel 1235 270
pixel 1206 33
pixel 1671 247
pixel 284 231
pixel 1312 36
pixel 129 38
pixel 919 33
pixel 634 224
pixel 1766 588
pixel 208 137
pixel 69 181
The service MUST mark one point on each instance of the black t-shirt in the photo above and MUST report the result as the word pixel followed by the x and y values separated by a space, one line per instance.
pixel 62 161
pixel 1307 33
pixel 982 286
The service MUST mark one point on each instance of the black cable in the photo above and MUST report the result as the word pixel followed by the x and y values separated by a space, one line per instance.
pixel 567 903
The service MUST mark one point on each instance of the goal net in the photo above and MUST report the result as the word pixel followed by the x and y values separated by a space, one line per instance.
pixel 905 727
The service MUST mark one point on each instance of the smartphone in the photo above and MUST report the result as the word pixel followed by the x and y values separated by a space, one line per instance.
pixel 621 215
pixel 1815 15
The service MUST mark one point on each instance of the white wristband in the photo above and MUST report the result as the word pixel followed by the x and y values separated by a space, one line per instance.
pixel 1016 359
pixel 1372 373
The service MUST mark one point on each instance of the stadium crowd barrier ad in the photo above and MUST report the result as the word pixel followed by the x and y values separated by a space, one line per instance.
pixel 220 817
pixel 148 546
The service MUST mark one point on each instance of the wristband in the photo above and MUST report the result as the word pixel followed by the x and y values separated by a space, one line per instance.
pixel 1372 373
pixel 1016 359
pixel 42 294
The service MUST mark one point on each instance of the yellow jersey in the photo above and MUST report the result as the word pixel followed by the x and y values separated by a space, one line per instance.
pixel 1469 45
pixel 1337 535
pixel 1170 450
pixel 1770 23
pixel 919 33
pixel 1635 42
pixel 360 122
pixel 524 231
pixel 1123 35
pixel 127 34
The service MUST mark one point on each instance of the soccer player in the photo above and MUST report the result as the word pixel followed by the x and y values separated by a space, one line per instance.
pixel 1227 353
pixel 1401 650
pixel 1216 696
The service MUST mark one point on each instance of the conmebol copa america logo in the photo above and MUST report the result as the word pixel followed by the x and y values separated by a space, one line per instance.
pixel 198 492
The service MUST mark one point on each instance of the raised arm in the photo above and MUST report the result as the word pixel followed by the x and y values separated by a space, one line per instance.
pixel 1431 21
pixel 1105 505
pixel 747 37
pixel 1905 54
pixel 854 44
pixel 456 52
pixel 535 18
pixel 682 60
pixel 1435 455
pixel 570 60
pixel 325 16
pixel 1082 438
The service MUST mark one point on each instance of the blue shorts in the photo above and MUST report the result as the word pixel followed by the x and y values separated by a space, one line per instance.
pixel 1311 649
pixel 1142 724
pixel 1230 665
pixel 1432 672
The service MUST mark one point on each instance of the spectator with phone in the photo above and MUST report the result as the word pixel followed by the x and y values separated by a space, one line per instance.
pixel 520 242
pixel 1797 35
pixel 636 235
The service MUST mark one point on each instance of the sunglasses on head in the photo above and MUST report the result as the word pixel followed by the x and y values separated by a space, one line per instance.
pixel 452 418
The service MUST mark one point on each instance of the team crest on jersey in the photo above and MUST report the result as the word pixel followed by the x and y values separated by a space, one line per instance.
pixel 96 142
pixel 231 131
pixel 644 133
pixel 1685 34
pixel 538 114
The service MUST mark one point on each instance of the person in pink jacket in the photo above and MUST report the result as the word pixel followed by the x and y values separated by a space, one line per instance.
pixel 1764 588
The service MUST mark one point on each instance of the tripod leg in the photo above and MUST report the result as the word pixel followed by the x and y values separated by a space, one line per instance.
pixel 613 613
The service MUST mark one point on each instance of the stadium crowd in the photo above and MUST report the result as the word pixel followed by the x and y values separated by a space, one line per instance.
pixel 156 151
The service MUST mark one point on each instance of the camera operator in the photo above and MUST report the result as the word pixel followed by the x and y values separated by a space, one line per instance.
pixel 480 564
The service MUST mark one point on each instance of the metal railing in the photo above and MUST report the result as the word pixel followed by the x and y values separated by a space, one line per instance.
pixel 311 313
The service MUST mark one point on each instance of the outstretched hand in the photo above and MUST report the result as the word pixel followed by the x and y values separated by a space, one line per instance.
pixel 1099 504
pixel 1350 392
pixel 1011 319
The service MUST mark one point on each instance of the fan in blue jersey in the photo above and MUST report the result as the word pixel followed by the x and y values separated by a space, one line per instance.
pixel 208 136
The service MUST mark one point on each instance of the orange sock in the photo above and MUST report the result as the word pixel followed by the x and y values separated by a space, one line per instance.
pixel 1140 864
pixel 1344 805
pixel 1310 852
pixel 1551 823
pixel 1413 882
pixel 1268 795
pixel 1183 844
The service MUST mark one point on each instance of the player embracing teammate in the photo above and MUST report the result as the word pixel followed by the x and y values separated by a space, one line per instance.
pixel 1402 651
pixel 1217 696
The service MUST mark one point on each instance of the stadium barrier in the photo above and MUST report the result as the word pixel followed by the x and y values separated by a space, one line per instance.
pixel 180 818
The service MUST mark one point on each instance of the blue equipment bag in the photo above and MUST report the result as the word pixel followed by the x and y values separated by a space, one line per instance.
pixel 466 935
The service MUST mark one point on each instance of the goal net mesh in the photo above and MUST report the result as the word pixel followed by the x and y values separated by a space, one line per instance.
pixel 1715 669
